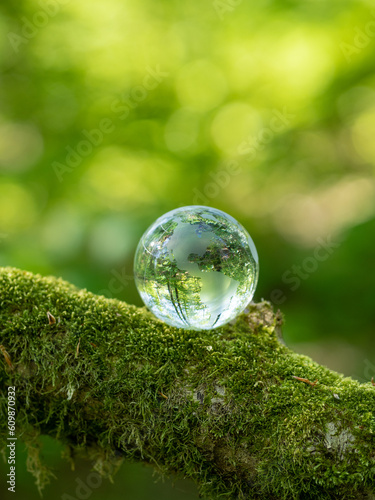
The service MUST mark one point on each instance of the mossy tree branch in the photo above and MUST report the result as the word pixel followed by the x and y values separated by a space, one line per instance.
pixel 222 407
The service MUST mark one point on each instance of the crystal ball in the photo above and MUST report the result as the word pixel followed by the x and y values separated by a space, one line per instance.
pixel 196 268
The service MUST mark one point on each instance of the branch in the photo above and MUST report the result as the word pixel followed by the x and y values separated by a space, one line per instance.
pixel 231 408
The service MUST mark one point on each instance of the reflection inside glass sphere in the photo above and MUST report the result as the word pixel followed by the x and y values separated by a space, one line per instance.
pixel 196 268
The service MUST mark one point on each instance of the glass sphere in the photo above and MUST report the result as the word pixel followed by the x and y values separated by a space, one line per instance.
pixel 196 268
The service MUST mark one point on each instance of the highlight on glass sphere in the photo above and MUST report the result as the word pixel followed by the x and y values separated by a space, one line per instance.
pixel 196 268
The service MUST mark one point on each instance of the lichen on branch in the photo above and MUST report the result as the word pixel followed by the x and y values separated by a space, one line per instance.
pixel 232 408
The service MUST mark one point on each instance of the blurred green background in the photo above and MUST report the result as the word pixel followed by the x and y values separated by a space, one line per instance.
pixel 113 113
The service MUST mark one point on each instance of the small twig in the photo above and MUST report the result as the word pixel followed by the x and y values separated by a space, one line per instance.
pixel 94 345
pixel 164 396
pixel 373 381
pixel 307 381
pixel 313 384
pixel 77 350
pixel 6 357
pixel 51 319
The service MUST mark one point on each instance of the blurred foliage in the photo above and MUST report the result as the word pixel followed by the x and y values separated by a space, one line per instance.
pixel 114 113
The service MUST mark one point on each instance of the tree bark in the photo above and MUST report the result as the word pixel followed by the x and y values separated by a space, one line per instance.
pixel 231 408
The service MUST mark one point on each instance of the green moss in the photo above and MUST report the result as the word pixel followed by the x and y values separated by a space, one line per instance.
pixel 220 406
